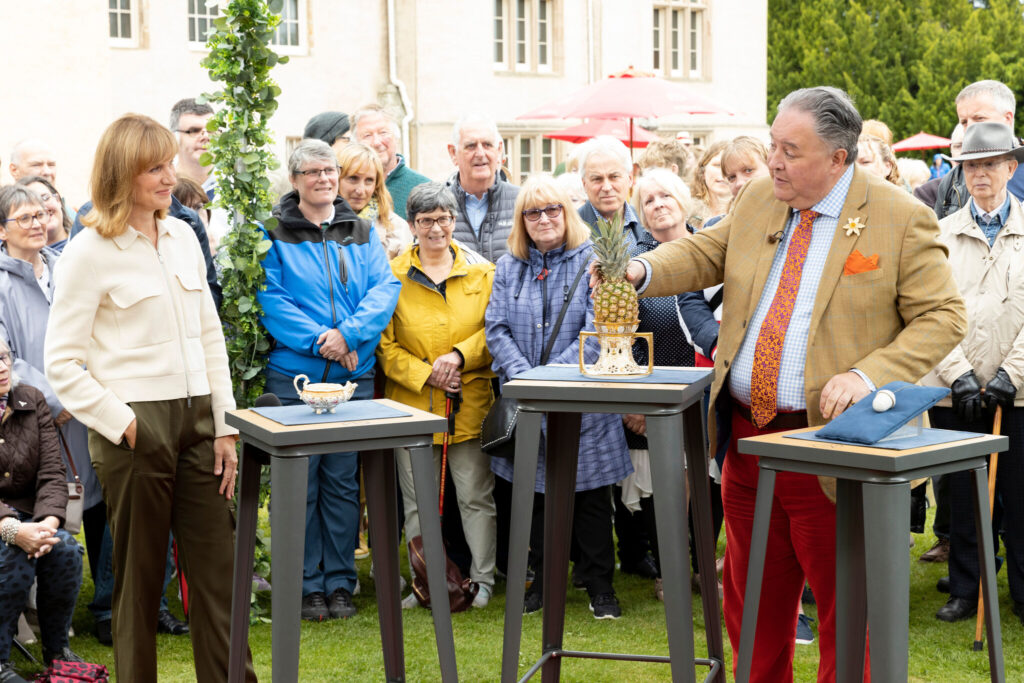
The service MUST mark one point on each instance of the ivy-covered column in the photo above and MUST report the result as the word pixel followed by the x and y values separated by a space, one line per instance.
pixel 241 58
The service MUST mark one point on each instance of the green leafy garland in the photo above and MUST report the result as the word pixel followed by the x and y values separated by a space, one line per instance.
pixel 241 57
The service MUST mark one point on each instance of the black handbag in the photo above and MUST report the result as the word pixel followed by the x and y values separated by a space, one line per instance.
pixel 498 431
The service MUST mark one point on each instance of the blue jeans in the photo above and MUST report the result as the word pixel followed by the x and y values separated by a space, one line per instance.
pixel 103 582
pixel 59 576
pixel 332 504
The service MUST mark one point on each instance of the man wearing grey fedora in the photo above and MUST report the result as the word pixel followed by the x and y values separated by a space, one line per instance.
pixel 985 239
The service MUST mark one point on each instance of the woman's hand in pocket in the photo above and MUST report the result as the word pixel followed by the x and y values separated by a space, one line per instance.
pixel 130 433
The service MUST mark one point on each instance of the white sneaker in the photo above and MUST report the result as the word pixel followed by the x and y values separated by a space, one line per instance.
pixel 410 601
pixel 355 591
pixel 483 596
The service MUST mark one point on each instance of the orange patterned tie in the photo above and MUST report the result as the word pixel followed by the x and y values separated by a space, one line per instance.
pixel 764 379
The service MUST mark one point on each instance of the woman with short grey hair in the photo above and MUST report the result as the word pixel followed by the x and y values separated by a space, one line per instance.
pixel 434 349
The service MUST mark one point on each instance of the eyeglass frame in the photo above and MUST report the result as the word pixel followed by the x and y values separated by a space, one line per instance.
pixel 6 358
pixel 317 172
pixel 450 219
pixel 193 132
pixel 40 216
pixel 551 211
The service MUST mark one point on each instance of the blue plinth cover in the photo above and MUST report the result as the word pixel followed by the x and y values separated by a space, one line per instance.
pixel 571 373
pixel 927 437
pixel 346 412
pixel 861 424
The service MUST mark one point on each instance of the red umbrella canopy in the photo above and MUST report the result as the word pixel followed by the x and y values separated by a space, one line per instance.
pixel 629 94
pixel 595 127
pixel 920 141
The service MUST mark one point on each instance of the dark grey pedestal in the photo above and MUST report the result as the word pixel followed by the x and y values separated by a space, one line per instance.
pixel 674 419
pixel 872 522
pixel 285 449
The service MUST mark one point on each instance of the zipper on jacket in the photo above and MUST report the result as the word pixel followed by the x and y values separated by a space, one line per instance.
pixel 181 341
pixel 330 284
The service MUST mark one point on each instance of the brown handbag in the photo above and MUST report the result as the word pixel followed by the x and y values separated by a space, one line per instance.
pixel 461 591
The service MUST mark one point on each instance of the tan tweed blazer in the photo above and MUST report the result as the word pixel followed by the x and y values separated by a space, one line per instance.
pixel 893 323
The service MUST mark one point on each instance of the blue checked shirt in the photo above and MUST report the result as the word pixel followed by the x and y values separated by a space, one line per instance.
pixel 790 396
pixel 991 223
pixel 476 211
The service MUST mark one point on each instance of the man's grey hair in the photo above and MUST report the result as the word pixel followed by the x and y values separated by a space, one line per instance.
pixel 22 145
pixel 428 197
pixel 188 106
pixel 474 120
pixel 374 110
pixel 1000 94
pixel 310 149
pixel 604 145
pixel 836 119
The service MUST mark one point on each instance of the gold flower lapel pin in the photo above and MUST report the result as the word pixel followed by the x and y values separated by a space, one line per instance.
pixel 854 226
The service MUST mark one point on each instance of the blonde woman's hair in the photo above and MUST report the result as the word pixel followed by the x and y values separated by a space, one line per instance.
pixel 537 191
pixel 667 181
pixel 129 146
pixel 744 148
pixel 354 156
pixel 883 150
pixel 700 190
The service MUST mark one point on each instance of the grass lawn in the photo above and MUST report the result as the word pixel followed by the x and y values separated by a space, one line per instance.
pixel 350 650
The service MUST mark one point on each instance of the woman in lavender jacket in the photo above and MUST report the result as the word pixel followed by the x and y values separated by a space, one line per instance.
pixel 547 247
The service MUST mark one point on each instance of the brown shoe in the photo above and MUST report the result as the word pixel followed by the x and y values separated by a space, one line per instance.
pixel 937 553
pixel 659 589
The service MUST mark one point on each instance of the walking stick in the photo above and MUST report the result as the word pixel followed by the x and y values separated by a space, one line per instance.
pixel 992 467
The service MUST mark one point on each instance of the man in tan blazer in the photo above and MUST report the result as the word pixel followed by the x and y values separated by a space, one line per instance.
pixel 843 286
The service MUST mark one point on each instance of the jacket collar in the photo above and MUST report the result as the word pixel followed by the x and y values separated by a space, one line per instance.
pixel 962 222
pixel 291 217
pixel 126 238
pixel 23 269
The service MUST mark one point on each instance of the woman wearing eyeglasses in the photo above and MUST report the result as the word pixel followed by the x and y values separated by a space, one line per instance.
pixel 435 346
pixel 58 222
pixel 548 246
pixel 329 294
pixel 134 349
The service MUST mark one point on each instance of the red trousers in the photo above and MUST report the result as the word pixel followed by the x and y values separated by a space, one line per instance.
pixel 801 545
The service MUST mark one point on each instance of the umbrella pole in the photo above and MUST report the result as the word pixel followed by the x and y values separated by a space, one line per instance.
pixel 631 139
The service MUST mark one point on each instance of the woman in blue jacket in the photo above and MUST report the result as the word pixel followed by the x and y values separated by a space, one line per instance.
pixel 329 294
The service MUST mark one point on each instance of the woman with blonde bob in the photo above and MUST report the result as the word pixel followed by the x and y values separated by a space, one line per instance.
pixel 134 350
pixel 709 188
pixel 549 245
pixel 361 184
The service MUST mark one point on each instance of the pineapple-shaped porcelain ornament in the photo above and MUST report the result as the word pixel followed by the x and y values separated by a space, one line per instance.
pixel 616 313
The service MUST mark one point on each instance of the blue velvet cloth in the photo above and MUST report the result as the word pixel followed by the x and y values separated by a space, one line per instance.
pixel 861 424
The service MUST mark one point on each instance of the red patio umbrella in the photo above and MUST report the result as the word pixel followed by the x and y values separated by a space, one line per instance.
pixel 920 141
pixel 638 137
pixel 628 95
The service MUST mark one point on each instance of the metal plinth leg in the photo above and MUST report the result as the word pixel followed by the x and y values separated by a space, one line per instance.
pixel 382 509
pixel 422 458
pixel 851 598
pixel 986 552
pixel 886 522
pixel 664 437
pixel 288 479
pixel 245 547
pixel 524 479
pixel 561 456
pixel 755 571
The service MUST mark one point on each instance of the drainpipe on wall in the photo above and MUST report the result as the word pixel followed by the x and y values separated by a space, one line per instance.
pixel 395 81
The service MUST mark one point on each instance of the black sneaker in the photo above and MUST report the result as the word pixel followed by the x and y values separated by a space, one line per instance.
pixel 103 633
pixel 605 606
pixel 314 607
pixel 340 605
pixel 9 675
pixel 63 655
pixel 645 567
pixel 533 601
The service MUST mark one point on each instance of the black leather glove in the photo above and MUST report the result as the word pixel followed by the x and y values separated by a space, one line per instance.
pixel 967 397
pixel 999 391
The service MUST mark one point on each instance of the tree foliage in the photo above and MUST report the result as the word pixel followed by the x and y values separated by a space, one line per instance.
pixel 241 58
pixel 902 62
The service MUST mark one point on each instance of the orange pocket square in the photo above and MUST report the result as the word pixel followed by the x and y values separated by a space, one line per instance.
pixel 858 263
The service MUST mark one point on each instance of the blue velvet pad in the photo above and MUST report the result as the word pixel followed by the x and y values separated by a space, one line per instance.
pixel 861 424
pixel 345 412
pixel 571 373
pixel 927 437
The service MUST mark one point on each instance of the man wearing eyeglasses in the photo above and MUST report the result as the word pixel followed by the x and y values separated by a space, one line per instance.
pixel 486 202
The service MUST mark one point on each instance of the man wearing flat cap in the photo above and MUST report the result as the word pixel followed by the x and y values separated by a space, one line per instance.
pixel 986 251
pixel 835 284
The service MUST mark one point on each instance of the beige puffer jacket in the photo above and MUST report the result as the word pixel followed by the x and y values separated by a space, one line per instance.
pixel 991 281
